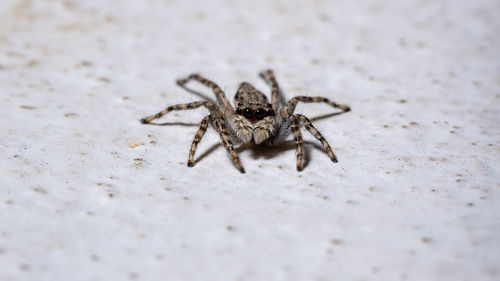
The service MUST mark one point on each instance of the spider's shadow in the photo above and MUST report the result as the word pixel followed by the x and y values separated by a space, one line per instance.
pixel 325 116
pixel 196 93
pixel 267 152
pixel 175 124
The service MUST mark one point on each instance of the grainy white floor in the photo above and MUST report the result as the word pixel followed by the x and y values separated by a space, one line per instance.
pixel 88 193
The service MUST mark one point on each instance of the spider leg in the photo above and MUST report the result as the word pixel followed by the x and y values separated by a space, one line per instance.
pixel 290 106
pixel 309 126
pixel 221 128
pixel 210 105
pixel 297 136
pixel 270 79
pixel 197 139
pixel 219 94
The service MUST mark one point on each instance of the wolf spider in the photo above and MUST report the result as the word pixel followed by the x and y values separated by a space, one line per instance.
pixel 254 120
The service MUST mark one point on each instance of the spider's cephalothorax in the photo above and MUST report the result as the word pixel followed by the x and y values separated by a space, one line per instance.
pixel 253 120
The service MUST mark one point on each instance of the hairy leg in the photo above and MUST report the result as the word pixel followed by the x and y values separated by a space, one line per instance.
pixel 290 106
pixel 270 79
pixel 297 136
pixel 211 106
pixel 310 127
pixel 220 127
pixel 219 94
pixel 197 139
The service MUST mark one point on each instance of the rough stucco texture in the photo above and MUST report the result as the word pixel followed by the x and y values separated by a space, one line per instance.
pixel 89 193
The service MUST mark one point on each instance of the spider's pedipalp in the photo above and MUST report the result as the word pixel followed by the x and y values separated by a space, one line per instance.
pixel 263 129
pixel 241 128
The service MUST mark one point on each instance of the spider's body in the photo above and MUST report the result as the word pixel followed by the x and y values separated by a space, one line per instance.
pixel 254 120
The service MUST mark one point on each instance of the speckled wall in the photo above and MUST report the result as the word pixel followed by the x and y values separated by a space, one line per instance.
pixel 90 193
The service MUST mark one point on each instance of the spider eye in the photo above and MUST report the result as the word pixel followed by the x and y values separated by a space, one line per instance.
pixel 248 113
pixel 260 113
pixel 239 111
pixel 270 112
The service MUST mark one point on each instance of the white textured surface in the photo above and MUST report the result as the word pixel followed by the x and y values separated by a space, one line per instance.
pixel 415 195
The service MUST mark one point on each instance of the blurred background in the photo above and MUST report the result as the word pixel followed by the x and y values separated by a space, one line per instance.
pixel 88 193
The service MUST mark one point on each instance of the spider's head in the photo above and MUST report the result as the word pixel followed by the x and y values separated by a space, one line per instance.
pixel 252 104
pixel 254 113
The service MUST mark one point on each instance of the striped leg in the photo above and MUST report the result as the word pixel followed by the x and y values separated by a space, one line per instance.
pixel 290 106
pixel 309 126
pixel 220 127
pixel 219 94
pixel 297 136
pixel 211 106
pixel 197 139
pixel 270 79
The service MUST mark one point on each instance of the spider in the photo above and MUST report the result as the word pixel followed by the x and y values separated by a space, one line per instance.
pixel 254 120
